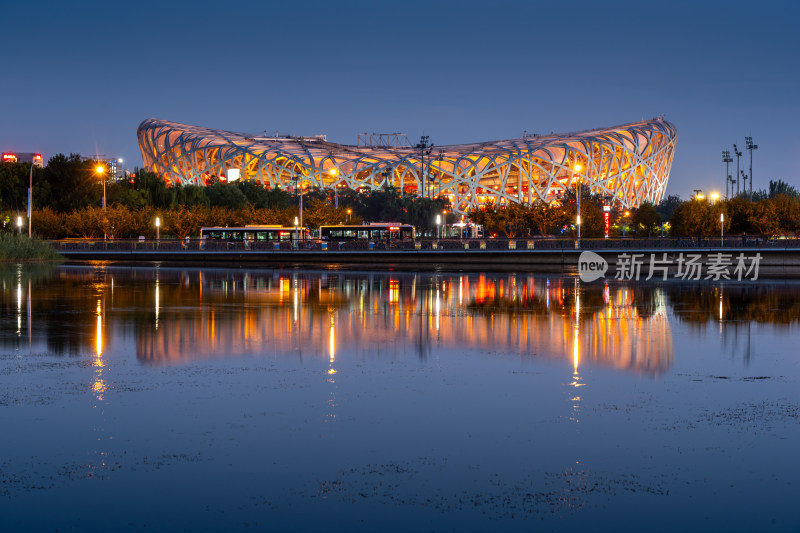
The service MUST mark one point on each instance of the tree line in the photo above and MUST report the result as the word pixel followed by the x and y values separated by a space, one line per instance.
pixel 773 211
pixel 68 192
pixel 67 195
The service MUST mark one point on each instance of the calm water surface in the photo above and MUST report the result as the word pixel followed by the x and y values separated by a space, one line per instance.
pixel 209 399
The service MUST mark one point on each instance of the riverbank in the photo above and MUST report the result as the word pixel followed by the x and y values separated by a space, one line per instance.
pixel 771 261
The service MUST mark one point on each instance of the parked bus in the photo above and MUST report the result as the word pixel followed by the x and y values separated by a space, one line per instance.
pixel 377 231
pixel 253 233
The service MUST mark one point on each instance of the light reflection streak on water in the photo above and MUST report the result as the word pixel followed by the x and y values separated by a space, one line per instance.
pixel 437 310
pixel 30 317
pixel 98 385
pixel 331 417
pixel 19 309
pixel 576 356
pixel 158 303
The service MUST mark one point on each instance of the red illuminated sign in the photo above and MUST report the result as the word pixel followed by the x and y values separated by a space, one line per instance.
pixel 38 157
pixel 10 158
pixel 606 216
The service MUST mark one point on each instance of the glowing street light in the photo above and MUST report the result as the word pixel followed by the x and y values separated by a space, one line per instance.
pixel 438 226
pixel 158 228
pixel 349 211
pixel 577 168
pixel 19 225
pixel 714 197
pixel 100 171
pixel 722 229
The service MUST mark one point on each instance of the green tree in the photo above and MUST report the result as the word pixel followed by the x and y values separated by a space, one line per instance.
pixel 158 195
pixel 780 187
pixel 261 197
pixel 190 195
pixel 421 212
pixel 73 183
pixel 667 206
pixel 645 219
pixel 224 195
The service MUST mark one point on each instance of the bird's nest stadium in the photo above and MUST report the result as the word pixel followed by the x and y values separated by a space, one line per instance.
pixel 629 164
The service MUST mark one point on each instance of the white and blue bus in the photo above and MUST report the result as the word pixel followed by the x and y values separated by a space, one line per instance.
pixel 253 233
pixel 377 231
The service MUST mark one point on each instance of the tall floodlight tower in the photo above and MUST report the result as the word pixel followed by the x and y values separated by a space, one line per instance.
pixel 748 141
pixel 743 177
pixel 727 159
pixel 424 149
pixel 738 154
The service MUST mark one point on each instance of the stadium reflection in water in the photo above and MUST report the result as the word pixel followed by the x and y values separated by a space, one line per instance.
pixel 177 316
pixel 318 314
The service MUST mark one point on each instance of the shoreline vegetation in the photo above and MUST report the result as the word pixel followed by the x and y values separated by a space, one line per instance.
pixel 16 247
pixel 68 194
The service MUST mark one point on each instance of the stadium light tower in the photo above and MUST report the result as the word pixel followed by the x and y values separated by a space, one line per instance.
pixel 744 181
pixel 748 141
pixel 424 149
pixel 727 159
pixel 738 154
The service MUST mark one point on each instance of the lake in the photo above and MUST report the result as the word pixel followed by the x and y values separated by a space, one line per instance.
pixel 210 399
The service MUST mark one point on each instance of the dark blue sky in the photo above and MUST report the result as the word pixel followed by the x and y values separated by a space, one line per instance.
pixel 80 77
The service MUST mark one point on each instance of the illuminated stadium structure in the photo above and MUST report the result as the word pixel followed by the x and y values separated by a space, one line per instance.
pixel 630 164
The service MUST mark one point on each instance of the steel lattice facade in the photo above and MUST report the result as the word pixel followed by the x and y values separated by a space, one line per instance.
pixel 630 164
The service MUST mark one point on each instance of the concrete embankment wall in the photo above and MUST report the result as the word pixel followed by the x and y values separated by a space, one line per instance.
pixel 774 262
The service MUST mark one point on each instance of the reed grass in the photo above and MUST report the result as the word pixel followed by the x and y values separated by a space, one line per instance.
pixel 16 247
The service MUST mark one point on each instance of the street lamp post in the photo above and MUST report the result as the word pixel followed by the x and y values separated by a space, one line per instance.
pixel 349 211
pixel 19 225
pixel 722 229
pixel 301 196
pixel 438 226
pixel 578 168
pixel 158 229
pixel 100 171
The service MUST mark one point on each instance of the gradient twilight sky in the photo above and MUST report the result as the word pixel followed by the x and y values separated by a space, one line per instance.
pixel 81 76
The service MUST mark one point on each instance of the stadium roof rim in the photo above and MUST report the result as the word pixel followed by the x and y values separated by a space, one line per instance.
pixel 317 140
